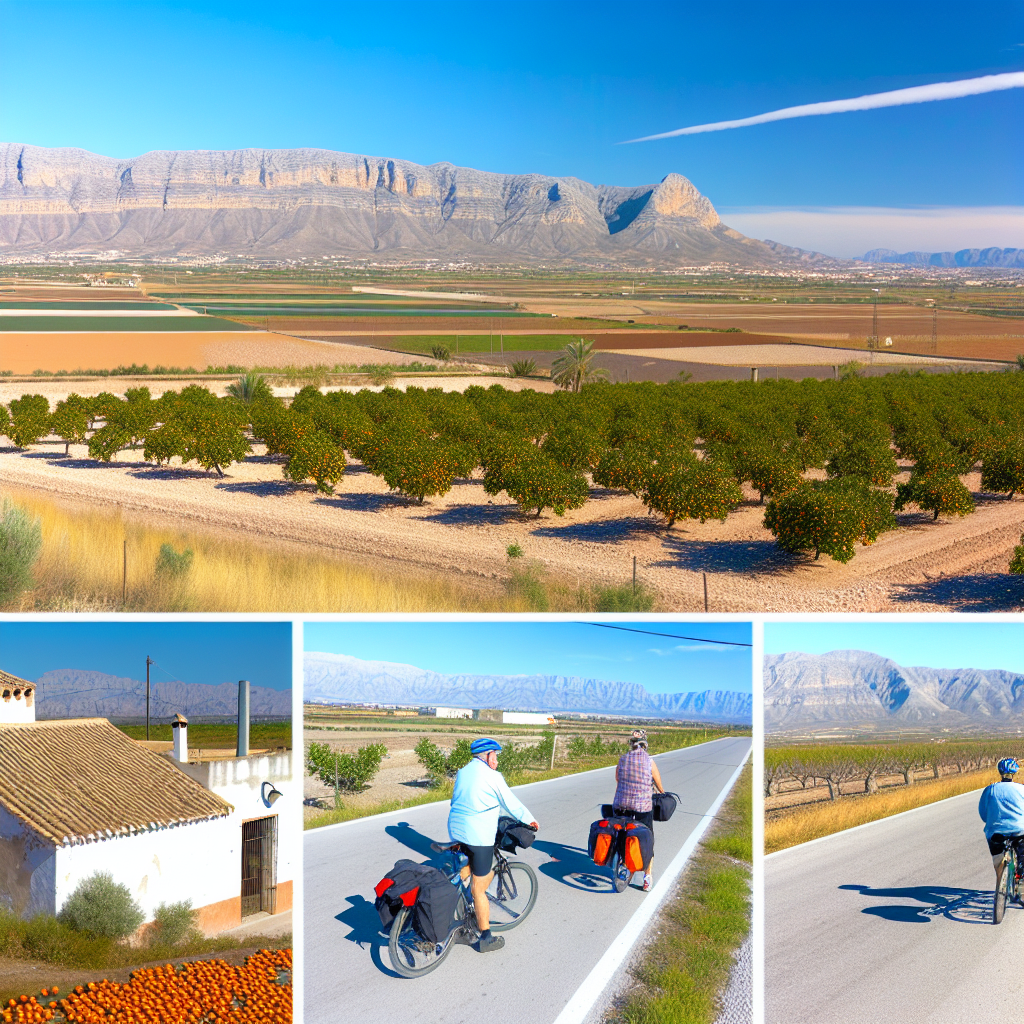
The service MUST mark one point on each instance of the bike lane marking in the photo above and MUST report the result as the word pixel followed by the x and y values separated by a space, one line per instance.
pixel 587 995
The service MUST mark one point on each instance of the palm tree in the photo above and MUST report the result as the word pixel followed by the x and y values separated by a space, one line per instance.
pixel 249 388
pixel 572 368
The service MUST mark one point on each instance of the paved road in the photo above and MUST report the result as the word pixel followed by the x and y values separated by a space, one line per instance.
pixel 347 970
pixel 891 922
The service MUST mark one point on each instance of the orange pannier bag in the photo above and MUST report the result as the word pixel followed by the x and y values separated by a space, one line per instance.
pixel 603 837
pixel 639 846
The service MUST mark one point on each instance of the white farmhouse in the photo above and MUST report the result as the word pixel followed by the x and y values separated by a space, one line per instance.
pixel 78 796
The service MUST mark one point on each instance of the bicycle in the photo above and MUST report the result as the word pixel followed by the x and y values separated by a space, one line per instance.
pixel 511 894
pixel 621 875
pixel 1009 888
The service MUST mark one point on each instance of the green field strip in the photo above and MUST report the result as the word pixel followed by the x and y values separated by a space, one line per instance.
pixel 107 306
pixel 364 311
pixel 116 324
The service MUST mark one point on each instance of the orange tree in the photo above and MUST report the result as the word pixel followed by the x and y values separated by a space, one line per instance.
pixel 678 485
pixel 69 422
pixel 315 456
pixel 1002 467
pixel 941 493
pixel 531 478
pixel 1017 560
pixel 30 420
pixel 767 463
pixel 829 517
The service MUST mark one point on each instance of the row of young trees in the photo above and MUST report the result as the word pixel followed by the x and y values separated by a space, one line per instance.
pixel 836 764
pixel 682 449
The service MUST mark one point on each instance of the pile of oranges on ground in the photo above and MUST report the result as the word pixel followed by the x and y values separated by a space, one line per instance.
pixel 203 990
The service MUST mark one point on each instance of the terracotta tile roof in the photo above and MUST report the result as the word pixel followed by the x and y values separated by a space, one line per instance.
pixel 77 779
pixel 6 679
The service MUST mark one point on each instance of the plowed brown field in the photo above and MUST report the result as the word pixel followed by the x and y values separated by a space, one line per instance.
pixel 25 353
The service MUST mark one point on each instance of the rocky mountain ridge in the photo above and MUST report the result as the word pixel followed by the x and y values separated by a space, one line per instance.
pixel 310 202
pixel 990 257
pixel 80 693
pixel 857 688
pixel 339 677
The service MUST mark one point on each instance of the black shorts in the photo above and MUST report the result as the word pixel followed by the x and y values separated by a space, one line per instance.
pixel 998 844
pixel 643 817
pixel 480 859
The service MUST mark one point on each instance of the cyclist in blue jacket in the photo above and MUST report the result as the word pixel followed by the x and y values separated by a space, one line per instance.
pixel 1002 809
pixel 479 796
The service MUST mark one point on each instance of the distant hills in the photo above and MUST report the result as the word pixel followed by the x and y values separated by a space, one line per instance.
pixel 303 203
pixel 77 693
pixel 991 257
pixel 860 690
pixel 338 677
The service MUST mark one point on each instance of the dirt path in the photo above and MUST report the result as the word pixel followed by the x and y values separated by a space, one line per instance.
pixel 925 566
pixel 30 976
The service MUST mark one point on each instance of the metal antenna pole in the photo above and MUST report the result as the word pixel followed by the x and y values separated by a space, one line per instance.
pixel 149 661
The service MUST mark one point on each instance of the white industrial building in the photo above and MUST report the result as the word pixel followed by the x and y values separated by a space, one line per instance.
pixel 527 718
pixel 78 796
pixel 447 712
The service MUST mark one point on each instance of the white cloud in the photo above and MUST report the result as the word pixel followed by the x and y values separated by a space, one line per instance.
pixel 852 231
pixel 894 98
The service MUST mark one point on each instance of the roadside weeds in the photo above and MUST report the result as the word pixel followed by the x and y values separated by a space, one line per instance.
pixel 683 973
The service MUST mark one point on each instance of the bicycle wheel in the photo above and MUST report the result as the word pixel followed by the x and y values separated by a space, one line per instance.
pixel 511 895
pixel 412 955
pixel 621 875
pixel 1005 886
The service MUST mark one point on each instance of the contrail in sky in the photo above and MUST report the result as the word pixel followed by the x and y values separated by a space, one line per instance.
pixel 896 98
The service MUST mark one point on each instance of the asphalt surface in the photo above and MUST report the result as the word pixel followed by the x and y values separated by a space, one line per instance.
pixel 577 916
pixel 891 922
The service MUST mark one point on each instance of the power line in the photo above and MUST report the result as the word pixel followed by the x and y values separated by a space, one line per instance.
pixel 671 636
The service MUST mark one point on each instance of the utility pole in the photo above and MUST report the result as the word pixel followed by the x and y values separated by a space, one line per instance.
pixel 935 329
pixel 149 661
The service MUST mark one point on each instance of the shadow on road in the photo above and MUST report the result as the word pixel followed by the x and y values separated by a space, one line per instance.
pixel 418 843
pixel 364 921
pixel 965 906
pixel 571 866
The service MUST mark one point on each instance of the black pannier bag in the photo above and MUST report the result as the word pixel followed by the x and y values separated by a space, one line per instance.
pixel 434 915
pixel 422 887
pixel 513 834
pixel 664 805
pixel 607 811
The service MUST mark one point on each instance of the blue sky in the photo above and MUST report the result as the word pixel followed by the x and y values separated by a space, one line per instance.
pixel 939 644
pixel 191 652
pixel 661 664
pixel 552 88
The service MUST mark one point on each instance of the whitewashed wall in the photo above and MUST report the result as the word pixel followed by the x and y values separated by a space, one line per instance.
pixel 239 781
pixel 200 862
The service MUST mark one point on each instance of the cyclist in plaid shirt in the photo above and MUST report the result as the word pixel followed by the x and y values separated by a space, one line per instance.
pixel 636 776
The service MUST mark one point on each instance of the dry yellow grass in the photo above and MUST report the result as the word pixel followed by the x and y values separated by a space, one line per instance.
pixel 805 824
pixel 82 563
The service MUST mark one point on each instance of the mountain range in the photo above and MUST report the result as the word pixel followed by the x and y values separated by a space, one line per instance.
pixel 79 693
pixel 851 689
pixel 339 678
pixel 991 257
pixel 302 203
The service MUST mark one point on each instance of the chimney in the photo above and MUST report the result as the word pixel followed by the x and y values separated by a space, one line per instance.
pixel 17 699
pixel 179 734
pixel 243 718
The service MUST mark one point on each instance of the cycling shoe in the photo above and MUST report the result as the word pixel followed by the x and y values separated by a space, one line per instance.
pixel 491 942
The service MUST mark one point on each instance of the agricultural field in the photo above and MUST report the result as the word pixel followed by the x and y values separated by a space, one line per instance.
pixel 767 491
pixel 813 790
pixel 403 777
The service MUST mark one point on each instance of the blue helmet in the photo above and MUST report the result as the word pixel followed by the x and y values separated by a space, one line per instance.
pixel 1008 766
pixel 483 745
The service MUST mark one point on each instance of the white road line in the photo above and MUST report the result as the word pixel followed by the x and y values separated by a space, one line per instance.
pixel 582 1002
pixel 868 824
